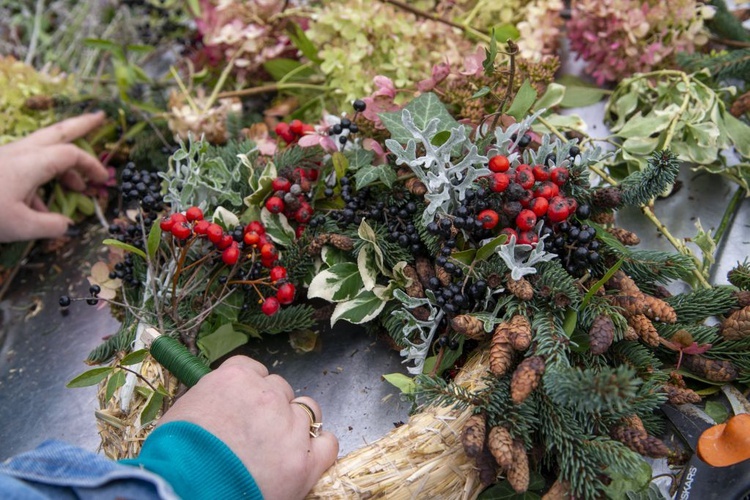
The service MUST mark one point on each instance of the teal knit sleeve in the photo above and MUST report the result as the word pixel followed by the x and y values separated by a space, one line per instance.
pixel 197 464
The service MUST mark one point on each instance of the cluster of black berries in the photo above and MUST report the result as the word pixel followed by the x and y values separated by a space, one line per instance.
pixel 355 202
pixel 132 234
pixel 575 243
pixel 457 297
pixel 346 127
pixel 124 271
pixel 141 186
pixel 401 228
pixel 94 291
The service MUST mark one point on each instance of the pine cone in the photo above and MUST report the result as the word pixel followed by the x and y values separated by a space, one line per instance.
pixel 469 326
pixel 341 242
pixel 645 329
pixel 501 352
pixel 316 245
pixel 494 281
pixel 425 271
pixel 624 283
pixel 743 298
pixel 631 305
pixel 442 275
pixel 634 422
pixel 639 441
pixel 715 370
pixel 560 490
pixel 603 218
pixel 518 473
pixel 608 197
pixel 415 288
pixel 658 310
pixel 737 325
pixel 487 468
pixel 526 378
pixel 630 334
pixel 624 236
pixel 681 395
pixel 520 288
pixel 500 444
pixel 415 186
pixel 601 334
pixel 472 437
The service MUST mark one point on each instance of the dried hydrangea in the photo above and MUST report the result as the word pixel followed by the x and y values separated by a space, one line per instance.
pixel 618 38
pixel 192 117
pixel 540 29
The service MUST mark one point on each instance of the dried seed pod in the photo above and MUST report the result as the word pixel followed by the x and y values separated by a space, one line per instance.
pixel 415 287
pixel 630 334
pixel 681 395
pixel 631 305
pixel 518 473
pixel 715 370
pixel 425 271
pixel 341 242
pixel 603 218
pixel 468 326
pixel 601 334
pixel 645 329
pixel 473 434
pixel 520 288
pixel 624 236
pixel 560 490
pixel 737 325
pixel 608 197
pixel 415 186
pixel 658 310
pixel 639 441
pixel 500 444
pixel 442 275
pixel 526 378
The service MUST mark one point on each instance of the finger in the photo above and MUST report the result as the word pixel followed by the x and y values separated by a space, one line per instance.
pixel 64 131
pixel 37 204
pixel 60 158
pixel 29 224
pixel 281 385
pixel 246 362
pixel 324 450
pixel 73 180
pixel 314 406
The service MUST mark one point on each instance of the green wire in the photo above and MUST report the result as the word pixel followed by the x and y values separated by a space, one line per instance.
pixel 176 358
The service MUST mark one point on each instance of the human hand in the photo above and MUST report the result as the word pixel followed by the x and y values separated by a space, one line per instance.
pixel 28 163
pixel 254 414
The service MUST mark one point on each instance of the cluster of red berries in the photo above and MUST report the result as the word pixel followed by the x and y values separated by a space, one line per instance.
pixel 536 188
pixel 292 131
pixel 284 293
pixel 291 199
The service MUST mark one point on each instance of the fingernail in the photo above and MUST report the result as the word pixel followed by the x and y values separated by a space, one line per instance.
pixel 72 231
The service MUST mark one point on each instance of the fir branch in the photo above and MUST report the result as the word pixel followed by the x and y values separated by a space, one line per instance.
pixel 725 24
pixel 610 390
pixel 298 260
pixel 701 334
pixel 436 391
pixel 650 266
pixel 554 287
pixel 119 342
pixel 551 341
pixel 722 66
pixel 429 240
pixel 286 319
pixel 701 303
pixel 636 356
pixel 642 186
pixel 520 420
pixel 599 306
pixel 739 276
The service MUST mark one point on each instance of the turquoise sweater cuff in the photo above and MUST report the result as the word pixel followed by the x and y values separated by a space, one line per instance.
pixel 195 463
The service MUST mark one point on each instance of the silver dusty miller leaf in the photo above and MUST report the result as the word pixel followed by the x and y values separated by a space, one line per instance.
pixel 521 259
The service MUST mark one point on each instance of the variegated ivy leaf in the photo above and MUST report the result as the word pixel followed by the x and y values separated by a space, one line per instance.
pixel 364 307
pixel 261 184
pixel 337 283
pixel 277 227
pixel 367 233
pixel 225 218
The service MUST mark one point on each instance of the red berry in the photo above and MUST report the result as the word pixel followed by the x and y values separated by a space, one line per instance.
pixel 526 220
pixel 299 230
pixel 230 255
pixel 500 182
pixel 488 218
pixel 277 273
pixel 541 173
pixel 528 195
pixel 214 233
pixel 547 189
pixel 285 293
pixel 525 177
pixel 251 238
pixel 312 174
pixel 559 175
pixel 275 205
pixel 283 131
pixel 558 209
pixel 572 205
pixel 178 217
pixel 281 184
pixel 303 213
pixel 225 241
pixel 268 262
pixel 193 214
pixel 307 128
pixel 499 163
pixel 181 231
pixel 166 223
pixel 509 231
pixel 201 227
pixel 539 206
pixel 295 126
pixel 527 238
pixel 270 306
pixel 263 240
pixel 267 251
pixel 255 226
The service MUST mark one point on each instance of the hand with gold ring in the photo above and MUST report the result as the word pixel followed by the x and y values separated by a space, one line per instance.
pixel 277 437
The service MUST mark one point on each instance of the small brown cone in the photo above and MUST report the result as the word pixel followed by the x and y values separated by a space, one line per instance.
pixel 518 473
pixel 472 437
pixel 501 352
pixel 681 395
pixel 526 378
pixel 469 326
pixel 415 186
pixel 519 332
pixel 500 444
pixel 640 442
pixel 560 490
pixel 715 370
pixel 39 103
pixel 635 422
pixel 603 218
pixel 737 325
pixel 624 236
pixel 341 242
pixel 645 329
pixel 425 271
pixel 415 287
pixel 743 298
pixel 624 283
pixel 520 288
pixel 608 197
pixel 658 310
pixel 316 245
pixel 631 305
pixel 630 334
pixel 601 334
pixel 442 275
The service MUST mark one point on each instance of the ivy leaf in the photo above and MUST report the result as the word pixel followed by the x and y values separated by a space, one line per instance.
pixel 422 109
pixel 503 32
pixel 116 381
pixel 337 283
pixel 402 382
pixel 90 377
pixel 579 93
pixel 359 158
pixel 220 342
pixel 366 176
pixel 488 249
pixel 553 96
pixel 261 185
pixel 523 101
pixel 361 309
pixel 366 233
pixel 340 164
pixel 490 55
pixel 277 227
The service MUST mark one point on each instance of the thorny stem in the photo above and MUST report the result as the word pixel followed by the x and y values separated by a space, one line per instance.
pixel 420 13
pixel 646 210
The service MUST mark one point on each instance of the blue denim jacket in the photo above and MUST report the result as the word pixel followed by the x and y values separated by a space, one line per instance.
pixel 178 460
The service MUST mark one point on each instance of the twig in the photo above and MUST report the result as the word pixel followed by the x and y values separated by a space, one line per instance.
pixel 38 11
pixel 512 51
pixel 420 13
pixel 729 213
pixel 730 43
pixel 144 379
pixel 271 87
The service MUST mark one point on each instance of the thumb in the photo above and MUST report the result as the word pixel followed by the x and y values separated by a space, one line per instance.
pixel 29 224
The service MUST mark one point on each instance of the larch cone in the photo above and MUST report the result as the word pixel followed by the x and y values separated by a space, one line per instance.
pixel 423 458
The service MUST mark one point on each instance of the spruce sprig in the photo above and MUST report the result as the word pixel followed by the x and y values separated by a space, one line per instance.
pixel 642 186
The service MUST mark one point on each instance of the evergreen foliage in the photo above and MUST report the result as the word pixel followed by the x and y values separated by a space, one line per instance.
pixel 287 319
pixel 725 24
pixel 702 303
pixel 608 390
pixel 722 66
pixel 554 286
pixel 119 342
pixel 642 186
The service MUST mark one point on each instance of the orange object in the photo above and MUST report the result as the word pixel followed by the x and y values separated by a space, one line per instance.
pixel 726 444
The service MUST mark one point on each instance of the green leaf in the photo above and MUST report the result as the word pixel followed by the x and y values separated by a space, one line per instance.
pixel 366 176
pixel 523 101
pixel 299 39
pixel 440 138
pixel 368 267
pixel 488 249
pixel 644 126
pixel 490 55
pixel 481 92
pixel 277 228
pixel 134 357
pixel 154 238
pixel 612 270
pixel 281 67
pixel 635 481
pixel 220 342
pixel 140 49
pixel 260 185
pixel 423 109
pixel 332 256
pixel 387 175
pixel 571 319
pixel 580 93
pixel 337 283
pixel 98 43
pixel 125 246
pixel 340 164
pixel 116 381
pixel 361 309
pixel 402 382
pixel 359 158
pixel 465 257
pixel 739 133
pixel 553 96
pixel 153 405
pixel 90 377
pixel 717 411
pixel 366 233
pixel 503 32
